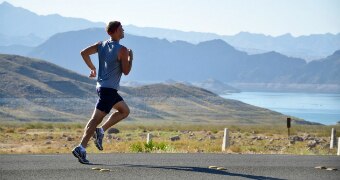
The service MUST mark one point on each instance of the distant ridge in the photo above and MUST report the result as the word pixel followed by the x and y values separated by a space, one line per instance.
pixel 311 47
pixel 217 86
pixel 214 59
pixel 34 26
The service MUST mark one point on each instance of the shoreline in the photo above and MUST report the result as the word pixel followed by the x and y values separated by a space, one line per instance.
pixel 308 106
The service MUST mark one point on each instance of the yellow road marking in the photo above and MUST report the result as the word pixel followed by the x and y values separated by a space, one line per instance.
pixel 331 169
pixel 212 167
pixel 104 170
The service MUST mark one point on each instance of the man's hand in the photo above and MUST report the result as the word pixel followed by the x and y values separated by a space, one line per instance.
pixel 130 54
pixel 93 73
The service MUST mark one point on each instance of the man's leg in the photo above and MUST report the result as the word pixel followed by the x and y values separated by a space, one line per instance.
pixel 122 112
pixel 97 118
pixel 79 151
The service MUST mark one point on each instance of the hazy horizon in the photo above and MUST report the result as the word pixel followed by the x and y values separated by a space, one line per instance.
pixel 274 18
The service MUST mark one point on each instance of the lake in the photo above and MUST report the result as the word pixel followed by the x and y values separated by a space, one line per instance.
pixel 321 108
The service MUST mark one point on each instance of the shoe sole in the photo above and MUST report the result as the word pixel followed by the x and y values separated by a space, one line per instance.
pixel 75 154
pixel 100 148
pixel 97 145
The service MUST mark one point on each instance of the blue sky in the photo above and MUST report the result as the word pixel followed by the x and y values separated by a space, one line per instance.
pixel 224 17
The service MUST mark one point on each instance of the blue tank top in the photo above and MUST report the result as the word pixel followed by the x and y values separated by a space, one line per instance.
pixel 110 70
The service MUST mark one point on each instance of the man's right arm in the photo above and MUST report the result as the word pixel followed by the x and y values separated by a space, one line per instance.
pixel 85 53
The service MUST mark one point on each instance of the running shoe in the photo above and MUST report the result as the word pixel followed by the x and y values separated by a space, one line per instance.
pixel 81 155
pixel 99 139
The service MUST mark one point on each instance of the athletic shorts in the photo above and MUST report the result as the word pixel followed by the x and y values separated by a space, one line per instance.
pixel 108 97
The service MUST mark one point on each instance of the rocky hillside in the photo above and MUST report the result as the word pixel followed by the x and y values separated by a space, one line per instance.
pixel 31 78
pixel 35 90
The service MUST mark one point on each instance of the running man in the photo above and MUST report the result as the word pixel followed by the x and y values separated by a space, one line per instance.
pixel 114 60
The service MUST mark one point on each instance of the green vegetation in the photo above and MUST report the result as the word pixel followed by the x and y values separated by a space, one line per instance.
pixel 150 147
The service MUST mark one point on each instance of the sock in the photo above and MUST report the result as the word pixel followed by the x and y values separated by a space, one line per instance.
pixel 101 130
pixel 82 148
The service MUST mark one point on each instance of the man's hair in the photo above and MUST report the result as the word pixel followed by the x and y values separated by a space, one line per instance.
pixel 112 26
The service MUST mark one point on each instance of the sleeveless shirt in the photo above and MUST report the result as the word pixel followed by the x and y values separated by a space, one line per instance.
pixel 110 70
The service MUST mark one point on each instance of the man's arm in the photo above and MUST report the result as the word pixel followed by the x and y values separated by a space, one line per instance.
pixel 130 57
pixel 126 59
pixel 85 53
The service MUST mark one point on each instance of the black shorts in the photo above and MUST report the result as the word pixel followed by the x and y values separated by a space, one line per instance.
pixel 108 97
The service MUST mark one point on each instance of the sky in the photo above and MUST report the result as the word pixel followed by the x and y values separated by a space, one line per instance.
pixel 223 17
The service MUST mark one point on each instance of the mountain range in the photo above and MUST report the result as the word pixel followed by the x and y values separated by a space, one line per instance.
pixel 311 47
pixel 34 29
pixel 22 27
pixel 179 60
pixel 36 90
pixel 159 60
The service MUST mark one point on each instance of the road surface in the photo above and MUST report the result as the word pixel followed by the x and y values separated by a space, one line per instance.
pixel 168 166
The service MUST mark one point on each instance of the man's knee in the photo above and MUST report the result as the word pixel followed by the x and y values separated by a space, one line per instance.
pixel 90 125
pixel 93 123
pixel 125 111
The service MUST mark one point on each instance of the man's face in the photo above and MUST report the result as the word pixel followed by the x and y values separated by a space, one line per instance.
pixel 120 32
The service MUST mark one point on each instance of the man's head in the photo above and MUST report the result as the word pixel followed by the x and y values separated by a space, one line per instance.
pixel 115 29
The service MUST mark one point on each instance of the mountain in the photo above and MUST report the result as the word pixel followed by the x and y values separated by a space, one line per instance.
pixel 311 47
pixel 170 60
pixel 176 59
pixel 216 86
pixel 19 22
pixel 30 40
pixel 317 76
pixel 35 90
pixel 33 29
pixel 158 60
pixel 321 76
pixel 326 70
pixel 30 78
pixel 16 49
pixel 212 85
pixel 171 34
pixel 63 49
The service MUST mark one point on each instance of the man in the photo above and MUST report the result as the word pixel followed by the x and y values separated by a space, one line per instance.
pixel 114 60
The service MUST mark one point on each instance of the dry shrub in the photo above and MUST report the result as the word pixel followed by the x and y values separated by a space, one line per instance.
pixel 10 130
pixel 21 129
pixel 235 149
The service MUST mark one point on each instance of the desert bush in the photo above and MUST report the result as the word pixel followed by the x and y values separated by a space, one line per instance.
pixel 21 129
pixel 235 149
pixel 10 130
pixel 149 147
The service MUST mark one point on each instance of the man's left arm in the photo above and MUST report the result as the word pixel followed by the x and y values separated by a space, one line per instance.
pixel 130 57
pixel 126 60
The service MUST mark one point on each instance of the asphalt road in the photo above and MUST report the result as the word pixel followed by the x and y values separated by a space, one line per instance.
pixel 168 166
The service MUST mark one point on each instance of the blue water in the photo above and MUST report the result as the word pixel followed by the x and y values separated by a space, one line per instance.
pixel 321 108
